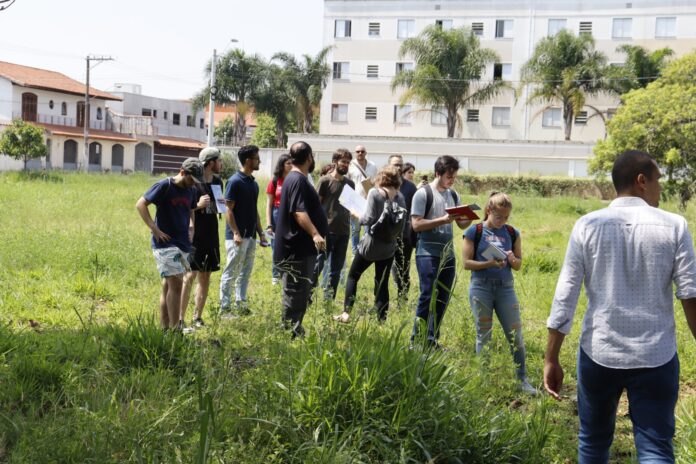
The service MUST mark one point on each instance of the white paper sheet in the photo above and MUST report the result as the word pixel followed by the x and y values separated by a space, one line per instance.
pixel 352 200
pixel 219 199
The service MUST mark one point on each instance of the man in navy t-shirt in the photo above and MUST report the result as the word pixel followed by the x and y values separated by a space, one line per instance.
pixel 242 225
pixel 172 230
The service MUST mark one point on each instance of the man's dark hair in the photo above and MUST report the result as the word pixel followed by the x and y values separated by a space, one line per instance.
pixel 628 165
pixel 445 164
pixel 299 153
pixel 246 152
pixel 341 153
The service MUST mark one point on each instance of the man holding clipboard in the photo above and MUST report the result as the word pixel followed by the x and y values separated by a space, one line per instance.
pixel 362 172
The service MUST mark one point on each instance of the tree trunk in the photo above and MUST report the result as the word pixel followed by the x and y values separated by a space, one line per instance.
pixel 308 119
pixel 280 135
pixel 568 119
pixel 451 122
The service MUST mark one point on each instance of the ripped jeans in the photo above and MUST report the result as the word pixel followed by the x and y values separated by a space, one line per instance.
pixel 487 295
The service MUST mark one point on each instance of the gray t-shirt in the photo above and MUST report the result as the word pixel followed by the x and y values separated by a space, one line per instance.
pixel 433 242
pixel 375 206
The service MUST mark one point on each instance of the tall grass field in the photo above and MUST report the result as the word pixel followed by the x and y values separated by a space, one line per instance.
pixel 87 376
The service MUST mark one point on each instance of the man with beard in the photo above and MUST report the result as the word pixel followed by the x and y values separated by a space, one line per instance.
pixel 300 234
pixel 329 189
pixel 206 241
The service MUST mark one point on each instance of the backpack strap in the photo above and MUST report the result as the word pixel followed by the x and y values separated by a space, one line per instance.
pixel 428 200
pixel 513 233
pixel 477 237
pixel 455 197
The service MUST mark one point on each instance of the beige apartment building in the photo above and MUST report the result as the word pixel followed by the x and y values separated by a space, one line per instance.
pixel 366 36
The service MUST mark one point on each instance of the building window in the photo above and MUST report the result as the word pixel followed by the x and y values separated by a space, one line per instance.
pixel 406 28
pixel 503 28
pixel 666 28
pixel 444 24
pixel 403 66
pixel 50 104
pixel 585 27
pixel 29 106
pixel 176 119
pixel 166 115
pixel 438 116
pixel 502 71
pixel 372 71
pixel 100 116
pixel 556 26
pixel 63 109
pixel 402 114
pixel 340 70
pixel 190 121
pixel 622 28
pixel 501 116
pixel 339 113
pixel 201 123
pixel 371 113
pixel 477 29
pixel 154 113
pixel 342 28
pixel 551 117
pixel 373 29
pixel 472 115
pixel 146 112
pixel 581 118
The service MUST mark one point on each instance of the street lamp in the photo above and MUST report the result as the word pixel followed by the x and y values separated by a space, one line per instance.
pixel 213 92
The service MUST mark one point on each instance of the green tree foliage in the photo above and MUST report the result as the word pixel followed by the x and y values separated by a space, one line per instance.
pixel 23 141
pixel 307 78
pixel 449 65
pixel 274 97
pixel 659 119
pixel 225 130
pixel 565 69
pixel 265 132
pixel 641 68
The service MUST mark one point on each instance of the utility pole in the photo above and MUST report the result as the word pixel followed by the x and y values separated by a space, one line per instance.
pixel 85 115
pixel 211 110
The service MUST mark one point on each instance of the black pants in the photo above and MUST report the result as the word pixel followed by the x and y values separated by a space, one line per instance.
pixel 297 287
pixel 360 265
pixel 401 270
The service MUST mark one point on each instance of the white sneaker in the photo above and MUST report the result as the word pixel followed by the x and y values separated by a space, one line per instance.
pixel 274 281
pixel 525 387
pixel 188 330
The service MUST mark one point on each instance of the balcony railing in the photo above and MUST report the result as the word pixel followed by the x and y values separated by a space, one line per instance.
pixel 113 122
pixel 97 124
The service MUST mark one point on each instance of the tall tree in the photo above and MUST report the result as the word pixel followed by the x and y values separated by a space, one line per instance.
pixel 307 77
pixel 23 141
pixel 449 66
pixel 237 75
pixel 641 67
pixel 565 69
pixel 274 96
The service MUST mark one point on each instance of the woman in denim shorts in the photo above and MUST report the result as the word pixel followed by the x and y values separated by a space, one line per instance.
pixel 492 286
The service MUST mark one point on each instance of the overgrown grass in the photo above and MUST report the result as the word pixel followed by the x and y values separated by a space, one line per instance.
pixel 87 376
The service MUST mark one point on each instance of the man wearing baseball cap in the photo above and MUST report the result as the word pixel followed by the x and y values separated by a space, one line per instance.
pixel 172 230
pixel 206 241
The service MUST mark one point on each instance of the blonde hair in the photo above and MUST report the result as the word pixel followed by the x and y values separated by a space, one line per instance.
pixel 496 200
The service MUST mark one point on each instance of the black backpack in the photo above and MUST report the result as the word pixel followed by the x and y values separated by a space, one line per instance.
pixel 390 224
pixel 429 206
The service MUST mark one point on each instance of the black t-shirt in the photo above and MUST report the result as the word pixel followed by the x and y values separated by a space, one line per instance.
pixel 205 235
pixel 291 240
pixel 329 190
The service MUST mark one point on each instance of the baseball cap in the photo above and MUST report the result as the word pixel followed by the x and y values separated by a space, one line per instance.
pixel 208 154
pixel 194 167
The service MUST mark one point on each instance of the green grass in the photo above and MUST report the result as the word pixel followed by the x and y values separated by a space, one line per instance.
pixel 97 381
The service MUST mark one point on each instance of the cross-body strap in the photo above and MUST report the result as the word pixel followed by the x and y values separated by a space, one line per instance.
pixel 362 171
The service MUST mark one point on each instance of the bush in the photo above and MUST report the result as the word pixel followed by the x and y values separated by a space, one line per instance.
pixel 229 164
pixel 537 186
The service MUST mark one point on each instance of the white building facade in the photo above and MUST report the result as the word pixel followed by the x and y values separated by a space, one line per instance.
pixel 366 37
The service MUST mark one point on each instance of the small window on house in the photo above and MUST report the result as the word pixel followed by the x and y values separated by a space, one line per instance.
pixel 100 116
pixel 371 113
pixel 444 24
pixel 342 28
pixel 556 26
pixel 63 109
pixel 50 104
pixel 176 119
pixel 502 71
pixel 373 29
pixel 201 124
pixel 372 71
pixel 501 116
pixel 622 28
pixel 585 27
pixel 405 28
pixel 147 112
pixel 581 118
pixel 403 66
pixel 166 115
pixel 340 70
pixel 190 121
pixel 472 115
pixel 154 113
pixel 339 112
pixel 477 29
pixel 438 116
pixel 666 28
pixel 551 118
pixel 402 114
pixel 503 28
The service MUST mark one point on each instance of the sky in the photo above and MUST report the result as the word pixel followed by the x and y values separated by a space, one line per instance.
pixel 162 45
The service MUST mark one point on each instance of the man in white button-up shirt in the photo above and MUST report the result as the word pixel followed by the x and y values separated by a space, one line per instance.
pixel 629 255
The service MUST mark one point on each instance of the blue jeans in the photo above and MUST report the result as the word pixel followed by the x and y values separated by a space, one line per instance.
pixel 235 276
pixel 335 255
pixel 436 278
pixel 354 234
pixel 275 272
pixel 488 295
pixel 652 395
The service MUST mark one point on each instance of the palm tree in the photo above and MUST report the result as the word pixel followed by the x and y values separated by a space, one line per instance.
pixel 307 78
pixel 274 96
pixel 641 68
pixel 566 69
pixel 448 68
